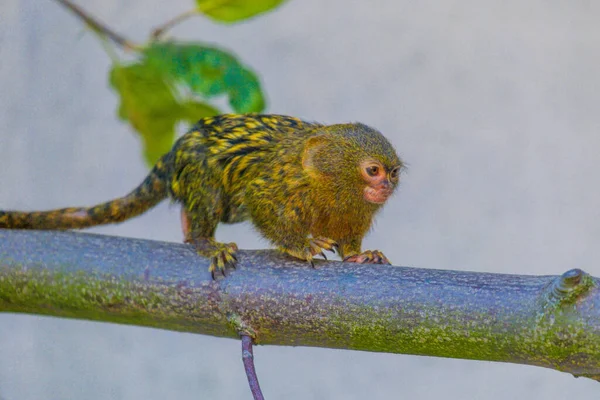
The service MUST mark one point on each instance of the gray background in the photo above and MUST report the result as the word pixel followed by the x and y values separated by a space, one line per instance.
pixel 494 104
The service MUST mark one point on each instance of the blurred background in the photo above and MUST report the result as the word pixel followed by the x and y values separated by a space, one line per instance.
pixel 494 105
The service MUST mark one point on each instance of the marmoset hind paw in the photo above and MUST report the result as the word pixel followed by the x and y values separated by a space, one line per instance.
pixel 221 255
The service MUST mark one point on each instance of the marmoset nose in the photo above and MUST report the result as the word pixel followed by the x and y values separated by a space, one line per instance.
pixel 385 184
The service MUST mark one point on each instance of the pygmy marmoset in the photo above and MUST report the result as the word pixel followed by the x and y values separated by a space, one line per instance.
pixel 305 186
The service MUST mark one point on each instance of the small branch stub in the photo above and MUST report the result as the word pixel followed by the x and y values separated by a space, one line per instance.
pixel 565 289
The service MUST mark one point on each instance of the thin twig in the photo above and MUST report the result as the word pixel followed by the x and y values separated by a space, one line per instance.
pixel 248 359
pixel 159 31
pixel 99 27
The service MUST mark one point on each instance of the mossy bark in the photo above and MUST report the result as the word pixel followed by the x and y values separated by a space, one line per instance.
pixel 549 321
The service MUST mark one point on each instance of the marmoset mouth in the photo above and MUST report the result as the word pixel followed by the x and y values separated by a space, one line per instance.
pixel 377 196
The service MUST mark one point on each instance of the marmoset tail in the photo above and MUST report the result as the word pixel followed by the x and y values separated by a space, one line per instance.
pixel 306 187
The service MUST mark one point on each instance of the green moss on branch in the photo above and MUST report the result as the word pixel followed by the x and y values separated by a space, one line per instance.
pixel 546 321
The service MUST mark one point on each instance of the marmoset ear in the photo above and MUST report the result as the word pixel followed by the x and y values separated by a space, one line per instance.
pixel 311 149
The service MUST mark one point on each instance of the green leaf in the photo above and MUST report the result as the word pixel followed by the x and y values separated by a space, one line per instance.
pixel 209 72
pixel 243 94
pixel 161 90
pixel 235 10
pixel 149 104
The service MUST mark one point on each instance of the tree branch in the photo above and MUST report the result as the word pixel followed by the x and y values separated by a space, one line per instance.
pixel 548 321
pixel 160 30
pixel 97 26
